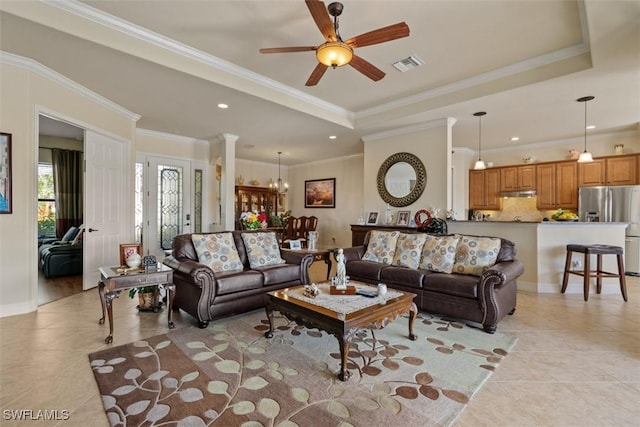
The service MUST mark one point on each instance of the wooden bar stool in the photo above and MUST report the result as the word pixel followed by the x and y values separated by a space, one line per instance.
pixel 599 274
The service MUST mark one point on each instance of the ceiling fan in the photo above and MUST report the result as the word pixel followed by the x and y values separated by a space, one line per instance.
pixel 335 52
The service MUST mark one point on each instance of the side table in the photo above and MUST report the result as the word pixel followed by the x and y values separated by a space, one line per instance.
pixel 112 282
pixel 323 254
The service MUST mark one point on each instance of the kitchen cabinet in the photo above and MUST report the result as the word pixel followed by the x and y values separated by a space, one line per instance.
pixel 484 189
pixel 518 178
pixel 617 170
pixel 592 173
pixel 255 199
pixel 557 185
pixel 622 170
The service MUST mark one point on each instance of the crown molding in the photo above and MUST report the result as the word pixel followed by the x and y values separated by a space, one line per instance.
pixel 448 121
pixel 477 80
pixel 327 161
pixel 497 74
pixel 170 136
pixel 145 35
pixel 48 73
pixel 579 140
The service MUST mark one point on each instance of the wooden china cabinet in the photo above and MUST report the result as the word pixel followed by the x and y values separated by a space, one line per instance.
pixel 255 199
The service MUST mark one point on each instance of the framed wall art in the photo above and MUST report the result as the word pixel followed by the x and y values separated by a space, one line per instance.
pixel 128 249
pixel 320 193
pixel 6 203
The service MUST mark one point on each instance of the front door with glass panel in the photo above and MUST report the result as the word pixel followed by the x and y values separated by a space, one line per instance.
pixel 167 211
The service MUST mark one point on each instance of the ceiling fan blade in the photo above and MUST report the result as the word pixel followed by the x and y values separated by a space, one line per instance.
pixel 316 75
pixel 366 68
pixel 287 49
pixel 321 17
pixel 381 35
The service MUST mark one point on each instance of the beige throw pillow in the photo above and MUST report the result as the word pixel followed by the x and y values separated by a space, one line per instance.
pixel 262 249
pixel 476 254
pixel 217 251
pixel 382 246
pixel 439 253
pixel 409 249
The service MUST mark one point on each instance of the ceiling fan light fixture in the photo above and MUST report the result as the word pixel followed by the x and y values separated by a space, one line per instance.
pixel 334 54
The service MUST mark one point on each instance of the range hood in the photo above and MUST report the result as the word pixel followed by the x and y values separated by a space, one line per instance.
pixel 528 193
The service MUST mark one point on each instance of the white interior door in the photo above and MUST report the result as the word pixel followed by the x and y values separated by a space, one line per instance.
pixel 106 203
pixel 169 203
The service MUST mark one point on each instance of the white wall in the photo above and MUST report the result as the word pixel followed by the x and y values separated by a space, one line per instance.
pixel 332 222
pixel 432 144
pixel 27 88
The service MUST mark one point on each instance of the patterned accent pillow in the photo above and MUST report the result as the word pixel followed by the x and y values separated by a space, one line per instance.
pixel 409 249
pixel 476 254
pixel 262 249
pixel 382 246
pixel 439 253
pixel 217 251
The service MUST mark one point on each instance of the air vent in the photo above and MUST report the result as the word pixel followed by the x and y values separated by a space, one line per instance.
pixel 408 63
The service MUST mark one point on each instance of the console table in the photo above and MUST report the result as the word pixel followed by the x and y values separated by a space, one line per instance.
pixel 358 232
pixel 113 280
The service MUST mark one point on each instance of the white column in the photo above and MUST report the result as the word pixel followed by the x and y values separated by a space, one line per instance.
pixel 226 150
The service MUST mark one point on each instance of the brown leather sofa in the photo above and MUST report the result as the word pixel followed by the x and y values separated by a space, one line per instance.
pixel 207 295
pixel 484 299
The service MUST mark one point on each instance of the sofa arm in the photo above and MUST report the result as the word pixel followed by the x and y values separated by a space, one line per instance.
pixel 304 260
pixel 354 253
pixel 497 292
pixel 504 271
pixel 201 275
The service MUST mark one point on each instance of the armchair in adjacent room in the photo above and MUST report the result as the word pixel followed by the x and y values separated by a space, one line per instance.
pixel 62 258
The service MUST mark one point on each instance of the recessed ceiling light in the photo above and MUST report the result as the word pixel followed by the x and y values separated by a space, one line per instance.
pixel 591 127
pixel 249 146
pixel 332 137
pixel 223 106
pixel 515 138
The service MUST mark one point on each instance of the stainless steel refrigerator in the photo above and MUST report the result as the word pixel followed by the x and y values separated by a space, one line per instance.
pixel 615 204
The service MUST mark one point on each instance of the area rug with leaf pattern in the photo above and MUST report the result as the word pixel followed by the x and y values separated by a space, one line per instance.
pixel 231 375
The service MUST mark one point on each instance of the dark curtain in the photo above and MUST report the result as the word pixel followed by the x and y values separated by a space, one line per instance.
pixel 67 182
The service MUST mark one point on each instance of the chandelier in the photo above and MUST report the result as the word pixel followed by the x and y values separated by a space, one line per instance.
pixel 279 186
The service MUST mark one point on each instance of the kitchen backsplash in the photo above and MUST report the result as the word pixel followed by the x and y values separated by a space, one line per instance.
pixel 518 209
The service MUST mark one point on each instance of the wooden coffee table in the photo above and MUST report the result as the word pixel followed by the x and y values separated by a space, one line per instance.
pixel 339 324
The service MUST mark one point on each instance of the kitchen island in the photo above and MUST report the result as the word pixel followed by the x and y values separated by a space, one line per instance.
pixel 541 246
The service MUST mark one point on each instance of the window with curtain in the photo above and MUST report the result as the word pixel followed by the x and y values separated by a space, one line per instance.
pixel 46 201
pixel 68 186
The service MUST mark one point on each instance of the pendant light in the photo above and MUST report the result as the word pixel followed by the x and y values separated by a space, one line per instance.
pixel 480 163
pixel 279 186
pixel 585 156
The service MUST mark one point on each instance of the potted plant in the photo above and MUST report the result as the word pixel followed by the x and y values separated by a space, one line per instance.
pixel 145 297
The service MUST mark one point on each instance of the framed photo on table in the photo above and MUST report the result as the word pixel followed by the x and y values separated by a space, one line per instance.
pixel 372 218
pixel 295 245
pixel 6 204
pixel 128 249
pixel 403 218
pixel 320 193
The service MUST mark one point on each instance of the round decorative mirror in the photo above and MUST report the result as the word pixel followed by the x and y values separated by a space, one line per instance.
pixel 401 179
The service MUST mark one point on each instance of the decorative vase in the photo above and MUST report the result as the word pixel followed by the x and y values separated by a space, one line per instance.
pixel 134 261
pixel 145 301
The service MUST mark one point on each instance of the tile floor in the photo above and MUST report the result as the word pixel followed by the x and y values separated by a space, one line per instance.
pixel 576 363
